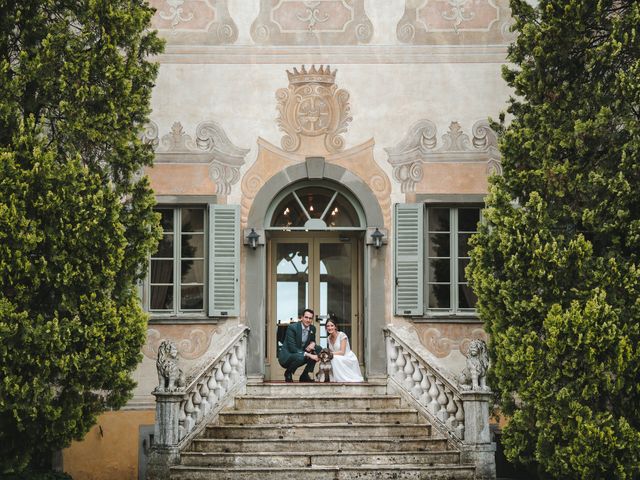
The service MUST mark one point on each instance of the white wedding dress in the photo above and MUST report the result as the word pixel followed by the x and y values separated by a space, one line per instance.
pixel 346 368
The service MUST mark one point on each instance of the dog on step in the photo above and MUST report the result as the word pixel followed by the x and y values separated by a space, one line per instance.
pixel 325 370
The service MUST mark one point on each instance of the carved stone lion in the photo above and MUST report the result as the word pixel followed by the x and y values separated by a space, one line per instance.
pixel 170 377
pixel 474 376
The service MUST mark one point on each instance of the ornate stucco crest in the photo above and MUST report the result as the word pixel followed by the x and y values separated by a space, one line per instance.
pixel 420 146
pixel 211 145
pixel 313 106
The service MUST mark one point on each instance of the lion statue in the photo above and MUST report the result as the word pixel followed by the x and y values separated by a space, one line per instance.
pixel 170 377
pixel 474 376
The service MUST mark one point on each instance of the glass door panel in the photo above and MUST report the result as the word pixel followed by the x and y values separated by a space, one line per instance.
pixel 291 285
pixel 335 287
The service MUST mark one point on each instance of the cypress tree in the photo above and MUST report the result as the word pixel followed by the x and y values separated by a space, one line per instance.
pixel 76 216
pixel 556 262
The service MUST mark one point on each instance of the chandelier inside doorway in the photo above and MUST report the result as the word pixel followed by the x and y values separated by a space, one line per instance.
pixel 315 208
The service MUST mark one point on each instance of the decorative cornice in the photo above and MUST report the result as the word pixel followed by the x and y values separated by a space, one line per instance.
pixel 211 145
pixel 334 54
pixel 419 147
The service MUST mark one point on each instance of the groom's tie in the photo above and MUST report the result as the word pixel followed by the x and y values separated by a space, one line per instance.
pixel 305 335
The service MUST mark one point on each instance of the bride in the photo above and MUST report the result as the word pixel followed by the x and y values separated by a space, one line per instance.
pixel 346 367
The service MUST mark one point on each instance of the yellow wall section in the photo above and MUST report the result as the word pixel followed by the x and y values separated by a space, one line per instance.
pixel 112 454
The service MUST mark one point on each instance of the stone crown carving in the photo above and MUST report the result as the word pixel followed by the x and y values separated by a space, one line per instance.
pixel 313 106
pixel 211 145
pixel 420 145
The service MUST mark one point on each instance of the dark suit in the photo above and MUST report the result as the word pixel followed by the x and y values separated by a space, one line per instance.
pixel 291 356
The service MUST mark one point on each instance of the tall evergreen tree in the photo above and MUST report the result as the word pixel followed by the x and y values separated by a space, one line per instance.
pixel 76 217
pixel 556 263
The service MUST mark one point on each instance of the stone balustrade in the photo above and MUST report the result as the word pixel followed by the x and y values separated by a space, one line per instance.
pixel 461 414
pixel 183 412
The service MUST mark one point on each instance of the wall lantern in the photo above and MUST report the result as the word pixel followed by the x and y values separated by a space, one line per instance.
pixel 253 238
pixel 377 237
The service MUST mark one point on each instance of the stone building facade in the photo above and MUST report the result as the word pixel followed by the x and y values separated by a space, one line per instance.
pixel 316 125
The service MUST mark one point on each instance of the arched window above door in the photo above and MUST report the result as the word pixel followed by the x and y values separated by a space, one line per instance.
pixel 312 207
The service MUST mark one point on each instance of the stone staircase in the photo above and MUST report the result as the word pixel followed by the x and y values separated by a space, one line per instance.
pixel 320 432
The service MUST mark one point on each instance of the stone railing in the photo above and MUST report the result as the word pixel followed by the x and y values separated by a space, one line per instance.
pixel 183 409
pixel 463 415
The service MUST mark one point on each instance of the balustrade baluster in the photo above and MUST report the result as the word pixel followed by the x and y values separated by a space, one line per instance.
pixel 433 406
pixel 189 421
pixel 212 385
pixel 459 430
pixel 226 370
pixel 416 391
pixel 442 402
pixel 400 363
pixel 408 371
pixel 425 385
pixel 451 410
pixel 205 406
pixel 233 363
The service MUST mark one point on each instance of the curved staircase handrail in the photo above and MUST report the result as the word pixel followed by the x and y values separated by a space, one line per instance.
pixel 462 414
pixel 182 412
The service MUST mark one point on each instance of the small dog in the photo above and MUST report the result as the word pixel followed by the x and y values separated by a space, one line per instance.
pixel 325 370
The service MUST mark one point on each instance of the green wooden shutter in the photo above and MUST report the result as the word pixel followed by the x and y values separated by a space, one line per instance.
pixel 409 259
pixel 224 260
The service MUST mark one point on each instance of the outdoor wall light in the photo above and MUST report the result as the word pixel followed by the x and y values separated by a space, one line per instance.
pixel 253 238
pixel 377 236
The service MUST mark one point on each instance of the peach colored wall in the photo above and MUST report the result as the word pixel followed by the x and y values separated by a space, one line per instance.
pixel 454 178
pixel 112 454
pixel 190 179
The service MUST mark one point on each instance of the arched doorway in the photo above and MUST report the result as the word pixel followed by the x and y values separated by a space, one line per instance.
pixel 314 245
pixel 266 215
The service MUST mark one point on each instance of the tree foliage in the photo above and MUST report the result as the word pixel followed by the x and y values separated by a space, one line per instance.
pixel 76 217
pixel 556 264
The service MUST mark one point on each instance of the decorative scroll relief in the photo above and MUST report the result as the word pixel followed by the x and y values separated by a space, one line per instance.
pixel 299 22
pixel 313 106
pixel 420 146
pixel 455 22
pixel 194 21
pixel 191 342
pixel 211 145
pixel 444 339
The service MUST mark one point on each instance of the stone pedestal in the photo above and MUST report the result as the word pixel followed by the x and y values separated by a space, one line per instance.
pixel 165 451
pixel 478 448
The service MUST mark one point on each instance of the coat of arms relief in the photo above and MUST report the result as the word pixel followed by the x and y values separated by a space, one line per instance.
pixel 314 114
pixel 313 109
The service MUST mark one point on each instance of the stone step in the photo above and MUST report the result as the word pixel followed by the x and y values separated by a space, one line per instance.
pixel 318 430
pixel 279 417
pixel 376 444
pixel 326 459
pixel 306 390
pixel 362 472
pixel 257 402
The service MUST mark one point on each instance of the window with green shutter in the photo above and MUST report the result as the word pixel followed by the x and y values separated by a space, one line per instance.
pixel 195 270
pixel 431 255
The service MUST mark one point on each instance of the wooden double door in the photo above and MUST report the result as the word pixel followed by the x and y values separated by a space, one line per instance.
pixel 317 270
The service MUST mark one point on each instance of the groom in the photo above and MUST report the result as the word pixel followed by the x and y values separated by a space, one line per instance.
pixel 300 348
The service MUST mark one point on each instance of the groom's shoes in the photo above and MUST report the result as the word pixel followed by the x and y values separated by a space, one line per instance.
pixel 304 378
pixel 288 376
